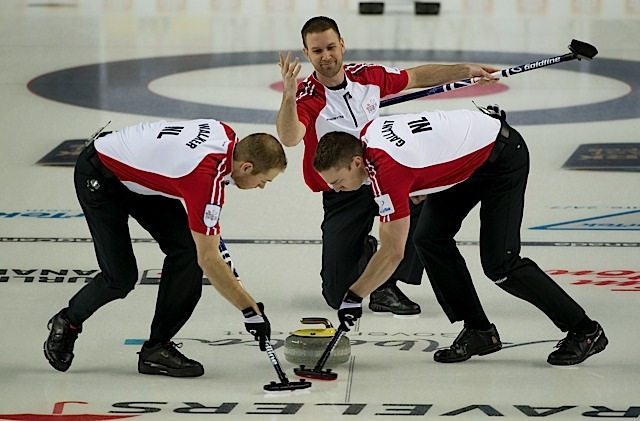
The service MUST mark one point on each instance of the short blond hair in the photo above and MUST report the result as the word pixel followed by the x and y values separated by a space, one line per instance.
pixel 263 150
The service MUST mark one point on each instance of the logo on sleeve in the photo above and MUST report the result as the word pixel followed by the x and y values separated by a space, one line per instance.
pixel 385 206
pixel 211 215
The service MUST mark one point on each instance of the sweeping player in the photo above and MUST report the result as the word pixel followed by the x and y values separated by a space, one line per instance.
pixel 344 98
pixel 459 159
pixel 171 178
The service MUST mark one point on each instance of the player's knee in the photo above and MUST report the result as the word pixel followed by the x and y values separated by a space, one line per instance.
pixel 120 291
pixel 496 271
pixel 122 282
pixel 334 300
pixel 500 269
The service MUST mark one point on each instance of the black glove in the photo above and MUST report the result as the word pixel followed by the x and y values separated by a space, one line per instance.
pixel 350 310
pixel 496 112
pixel 257 325
pixel 493 111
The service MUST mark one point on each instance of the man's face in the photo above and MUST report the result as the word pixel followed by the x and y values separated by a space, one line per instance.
pixel 325 51
pixel 245 179
pixel 346 179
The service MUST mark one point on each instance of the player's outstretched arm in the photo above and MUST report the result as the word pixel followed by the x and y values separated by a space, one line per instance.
pixel 393 237
pixel 290 129
pixel 429 75
pixel 219 273
pixel 224 279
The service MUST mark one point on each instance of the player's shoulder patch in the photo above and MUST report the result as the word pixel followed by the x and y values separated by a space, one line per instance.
pixel 385 205
pixel 211 215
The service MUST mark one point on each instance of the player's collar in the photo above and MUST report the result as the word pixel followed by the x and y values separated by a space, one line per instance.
pixel 343 85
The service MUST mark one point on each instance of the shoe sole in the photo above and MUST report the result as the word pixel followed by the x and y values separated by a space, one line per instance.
pixel 483 351
pixel 598 347
pixel 150 368
pixel 404 316
pixel 379 308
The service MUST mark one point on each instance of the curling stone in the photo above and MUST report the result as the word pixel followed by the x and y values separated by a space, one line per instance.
pixel 305 346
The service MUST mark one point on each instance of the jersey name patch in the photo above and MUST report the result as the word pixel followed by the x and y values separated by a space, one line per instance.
pixel 385 206
pixel 211 215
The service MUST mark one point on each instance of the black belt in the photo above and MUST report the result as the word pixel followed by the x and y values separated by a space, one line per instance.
pixel 502 140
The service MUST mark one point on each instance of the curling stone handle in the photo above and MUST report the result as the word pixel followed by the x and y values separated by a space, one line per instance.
pixel 316 321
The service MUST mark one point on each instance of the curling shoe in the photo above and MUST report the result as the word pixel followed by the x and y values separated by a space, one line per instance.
pixel 468 343
pixel 577 347
pixel 165 359
pixel 58 348
pixel 392 299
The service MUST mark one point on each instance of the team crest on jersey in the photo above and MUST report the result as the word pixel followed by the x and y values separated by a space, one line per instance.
pixel 211 215
pixel 370 107
pixel 385 206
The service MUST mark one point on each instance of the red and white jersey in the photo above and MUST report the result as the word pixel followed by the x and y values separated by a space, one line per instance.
pixel 413 154
pixel 348 109
pixel 188 160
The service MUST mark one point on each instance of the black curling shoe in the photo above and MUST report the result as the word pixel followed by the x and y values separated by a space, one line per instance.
pixel 392 300
pixel 58 348
pixel 468 343
pixel 577 347
pixel 165 359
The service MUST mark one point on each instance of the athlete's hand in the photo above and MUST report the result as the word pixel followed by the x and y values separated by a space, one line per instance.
pixel 258 325
pixel 350 310
pixel 495 112
pixel 289 71
pixel 484 73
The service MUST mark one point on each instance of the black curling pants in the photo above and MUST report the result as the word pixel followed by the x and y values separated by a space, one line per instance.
pixel 499 187
pixel 348 220
pixel 107 205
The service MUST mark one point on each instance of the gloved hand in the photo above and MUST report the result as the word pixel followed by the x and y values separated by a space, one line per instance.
pixel 257 325
pixel 493 111
pixel 350 310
